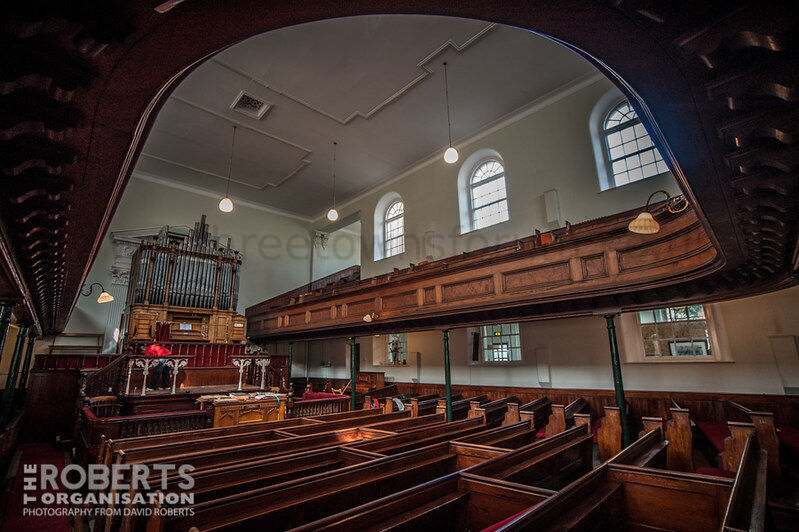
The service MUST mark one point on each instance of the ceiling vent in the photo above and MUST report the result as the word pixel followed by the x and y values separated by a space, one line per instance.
pixel 250 105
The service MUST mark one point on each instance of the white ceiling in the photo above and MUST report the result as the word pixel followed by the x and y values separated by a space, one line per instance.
pixel 374 84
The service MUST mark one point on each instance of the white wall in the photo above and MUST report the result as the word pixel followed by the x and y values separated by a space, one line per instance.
pixel 342 250
pixel 276 249
pixel 549 148
pixel 577 355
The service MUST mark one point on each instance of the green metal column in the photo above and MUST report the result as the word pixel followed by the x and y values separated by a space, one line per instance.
pixel 447 377
pixel 352 373
pixel 23 377
pixel 5 318
pixel 288 363
pixel 617 382
pixel 11 381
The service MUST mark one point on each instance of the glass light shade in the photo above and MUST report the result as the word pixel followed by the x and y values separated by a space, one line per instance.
pixel 105 297
pixel 644 224
pixel 332 214
pixel 451 155
pixel 367 318
pixel 226 205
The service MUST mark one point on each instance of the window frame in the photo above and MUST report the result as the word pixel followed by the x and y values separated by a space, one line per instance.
pixel 632 340
pixel 386 221
pixel 482 348
pixel 471 186
pixel 602 149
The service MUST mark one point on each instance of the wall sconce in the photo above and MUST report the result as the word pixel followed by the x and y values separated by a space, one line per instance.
pixel 104 296
pixel 645 223
pixel 368 318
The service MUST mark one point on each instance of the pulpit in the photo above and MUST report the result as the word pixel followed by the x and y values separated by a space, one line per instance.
pixel 238 409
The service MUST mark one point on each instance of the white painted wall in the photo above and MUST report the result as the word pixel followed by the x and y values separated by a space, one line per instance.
pixel 577 355
pixel 342 250
pixel 276 248
pixel 549 147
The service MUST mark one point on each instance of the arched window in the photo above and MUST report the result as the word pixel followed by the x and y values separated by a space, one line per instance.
pixel 394 227
pixel 631 155
pixel 489 199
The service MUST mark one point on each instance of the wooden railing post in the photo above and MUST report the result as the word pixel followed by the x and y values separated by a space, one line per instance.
pixel 288 364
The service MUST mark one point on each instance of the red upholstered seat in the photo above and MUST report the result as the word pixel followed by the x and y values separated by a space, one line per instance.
pixel 715 432
pixel 310 396
pixel 541 433
pixel 714 472
pixel 595 428
pixel 497 526
pixel 789 437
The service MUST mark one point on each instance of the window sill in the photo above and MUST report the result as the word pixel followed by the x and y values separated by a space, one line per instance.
pixel 470 231
pixel 680 360
pixel 497 364
pixel 390 257
pixel 616 187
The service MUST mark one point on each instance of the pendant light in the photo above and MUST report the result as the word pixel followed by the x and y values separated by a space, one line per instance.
pixel 645 223
pixel 226 204
pixel 332 214
pixel 451 154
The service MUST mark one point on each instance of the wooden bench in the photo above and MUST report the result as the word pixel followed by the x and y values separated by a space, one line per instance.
pixel 562 417
pixel 460 408
pixel 538 411
pixel 428 406
pixel 451 502
pixel 505 436
pixel 359 421
pixel 298 502
pixel 414 439
pixel 549 463
pixel 503 411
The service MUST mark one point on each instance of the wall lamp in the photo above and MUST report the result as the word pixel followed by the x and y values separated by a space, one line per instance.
pixel 645 223
pixel 104 297
pixel 368 318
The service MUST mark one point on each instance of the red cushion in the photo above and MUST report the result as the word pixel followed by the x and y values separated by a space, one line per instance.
pixel 497 526
pixel 541 433
pixel 714 472
pixel 309 396
pixel 595 428
pixel 715 432
pixel 789 437
pixel 156 350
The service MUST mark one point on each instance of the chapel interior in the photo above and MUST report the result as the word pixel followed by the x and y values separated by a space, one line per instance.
pixel 529 265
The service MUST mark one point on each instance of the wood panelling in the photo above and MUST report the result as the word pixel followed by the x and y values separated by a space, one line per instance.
pixel 401 300
pixel 467 289
pixel 593 266
pixel 574 268
pixel 320 314
pixel 537 277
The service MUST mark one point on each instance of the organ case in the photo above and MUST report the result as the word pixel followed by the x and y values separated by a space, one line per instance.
pixel 184 287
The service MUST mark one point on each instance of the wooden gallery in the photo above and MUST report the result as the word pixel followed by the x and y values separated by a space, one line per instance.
pixel 426 265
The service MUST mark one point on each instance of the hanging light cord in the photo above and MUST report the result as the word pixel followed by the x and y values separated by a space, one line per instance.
pixel 334 173
pixel 230 163
pixel 446 94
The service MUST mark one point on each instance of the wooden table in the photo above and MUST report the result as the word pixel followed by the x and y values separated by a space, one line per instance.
pixel 249 408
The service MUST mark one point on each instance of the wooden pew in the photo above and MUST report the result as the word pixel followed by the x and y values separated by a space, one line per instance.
pixel 609 437
pixel 225 481
pixel 621 497
pixel 428 406
pixel 505 436
pixel 359 421
pixel 537 410
pixel 408 423
pixel 295 503
pixel 503 411
pixel 746 509
pixel 108 446
pixel 562 417
pixel 766 439
pixel 409 404
pixel 549 463
pixel 461 407
pixel 450 502
pixel 414 439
